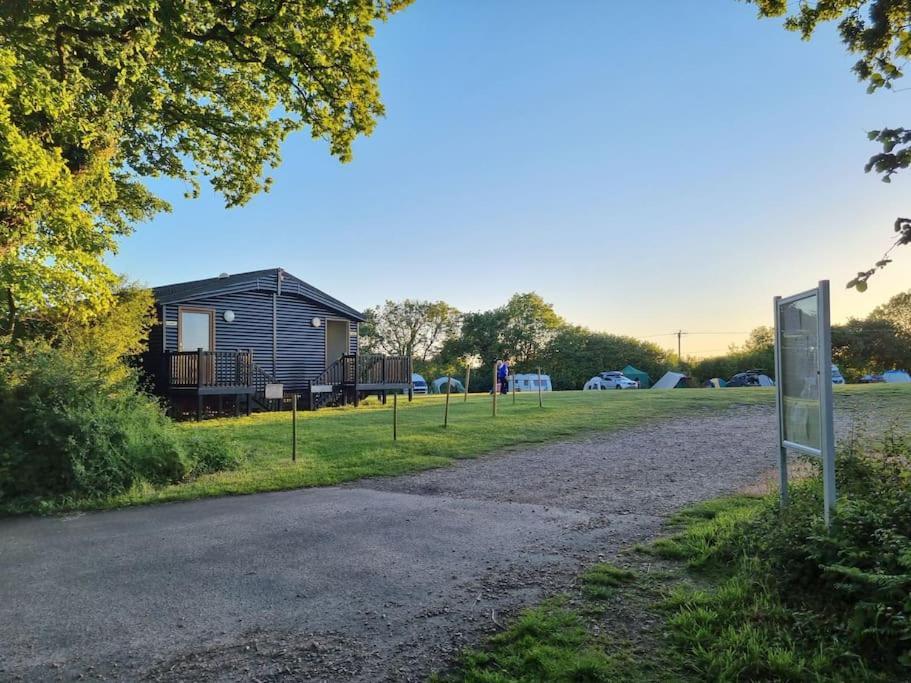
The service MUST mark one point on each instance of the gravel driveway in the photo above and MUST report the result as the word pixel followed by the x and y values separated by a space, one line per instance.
pixel 383 579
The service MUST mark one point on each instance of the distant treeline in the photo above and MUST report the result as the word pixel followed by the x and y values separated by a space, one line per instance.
pixel 861 346
pixel 527 331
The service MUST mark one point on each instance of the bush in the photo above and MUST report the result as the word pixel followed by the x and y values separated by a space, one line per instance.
pixel 212 452
pixel 68 429
pixel 797 601
pixel 856 576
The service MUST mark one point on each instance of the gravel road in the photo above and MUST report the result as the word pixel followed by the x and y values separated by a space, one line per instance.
pixel 382 579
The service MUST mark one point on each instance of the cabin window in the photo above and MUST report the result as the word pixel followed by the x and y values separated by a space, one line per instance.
pixel 196 329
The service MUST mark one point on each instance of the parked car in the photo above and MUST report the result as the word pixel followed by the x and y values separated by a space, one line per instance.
pixel 751 378
pixel 872 379
pixel 837 377
pixel 418 384
pixel 615 379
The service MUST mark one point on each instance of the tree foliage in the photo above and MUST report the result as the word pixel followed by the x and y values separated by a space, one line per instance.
pixel 756 353
pixel 518 331
pixel 877 31
pixel 409 328
pixel 576 354
pixel 897 311
pixel 530 334
pixel 869 346
pixel 96 97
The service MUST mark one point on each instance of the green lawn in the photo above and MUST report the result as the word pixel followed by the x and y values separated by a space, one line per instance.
pixel 337 445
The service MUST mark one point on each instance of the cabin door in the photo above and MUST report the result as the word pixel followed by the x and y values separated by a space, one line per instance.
pixel 195 329
pixel 336 340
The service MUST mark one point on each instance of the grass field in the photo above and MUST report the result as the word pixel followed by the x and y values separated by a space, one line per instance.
pixel 337 445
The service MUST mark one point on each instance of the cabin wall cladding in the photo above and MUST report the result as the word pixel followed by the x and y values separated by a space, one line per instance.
pixel 301 347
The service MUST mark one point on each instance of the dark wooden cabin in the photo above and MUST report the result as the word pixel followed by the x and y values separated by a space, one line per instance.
pixel 220 341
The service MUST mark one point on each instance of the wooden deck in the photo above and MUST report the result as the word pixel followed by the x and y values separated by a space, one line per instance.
pixel 202 374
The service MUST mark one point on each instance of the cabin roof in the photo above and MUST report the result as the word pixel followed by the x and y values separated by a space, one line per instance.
pixel 255 279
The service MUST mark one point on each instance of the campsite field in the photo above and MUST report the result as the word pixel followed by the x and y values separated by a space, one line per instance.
pixel 344 444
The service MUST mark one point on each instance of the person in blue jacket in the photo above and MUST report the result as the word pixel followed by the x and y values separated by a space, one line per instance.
pixel 503 376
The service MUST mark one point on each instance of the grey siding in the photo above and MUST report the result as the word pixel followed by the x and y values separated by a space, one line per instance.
pixel 301 348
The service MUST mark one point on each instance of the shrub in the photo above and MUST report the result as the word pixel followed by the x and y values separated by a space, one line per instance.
pixel 68 429
pixel 797 601
pixel 212 452
pixel 856 576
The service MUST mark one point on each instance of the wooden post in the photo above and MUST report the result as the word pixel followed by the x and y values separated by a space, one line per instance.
pixel 467 380
pixel 446 410
pixel 199 382
pixel 495 389
pixel 540 398
pixel 395 416
pixel 514 388
pixel 294 427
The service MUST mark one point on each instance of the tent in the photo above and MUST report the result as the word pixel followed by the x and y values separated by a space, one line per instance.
pixel 642 377
pixel 595 384
pixel 671 380
pixel 715 383
pixel 896 376
pixel 437 386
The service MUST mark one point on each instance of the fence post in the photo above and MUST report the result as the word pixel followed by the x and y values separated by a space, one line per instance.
pixel 513 388
pixel 467 380
pixel 199 371
pixel 395 416
pixel 540 399
pixel 495 389
pixel 294 427
pixel 446 411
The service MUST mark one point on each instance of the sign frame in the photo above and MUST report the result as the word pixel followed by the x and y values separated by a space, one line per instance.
pixel 826 450
pixel 275 391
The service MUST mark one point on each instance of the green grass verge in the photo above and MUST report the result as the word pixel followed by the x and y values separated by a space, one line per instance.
pixel 561 641
pixel 344 444
pixel 731 598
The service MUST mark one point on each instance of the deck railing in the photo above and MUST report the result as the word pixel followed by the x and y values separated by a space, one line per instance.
pixel 379 369
pixel 189 369
pixel 210 369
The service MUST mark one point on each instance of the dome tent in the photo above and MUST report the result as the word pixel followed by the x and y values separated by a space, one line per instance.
pixel 638 375
pixel 672 380
pixel 896 376
pixel 437 386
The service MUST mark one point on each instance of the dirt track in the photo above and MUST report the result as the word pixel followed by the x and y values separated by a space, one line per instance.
pixel 382 579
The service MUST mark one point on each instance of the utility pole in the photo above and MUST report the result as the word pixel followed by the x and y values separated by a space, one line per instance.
pixel 680 334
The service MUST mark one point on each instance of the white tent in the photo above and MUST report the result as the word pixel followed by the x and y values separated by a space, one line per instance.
pixel 669 381
pixel 595 384
pixel 438 386
pixel 896 376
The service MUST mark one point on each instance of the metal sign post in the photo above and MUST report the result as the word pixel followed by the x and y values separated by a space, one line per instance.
pixel 803 374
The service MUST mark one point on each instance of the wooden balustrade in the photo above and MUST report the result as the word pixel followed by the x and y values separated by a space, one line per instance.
pixel 209 369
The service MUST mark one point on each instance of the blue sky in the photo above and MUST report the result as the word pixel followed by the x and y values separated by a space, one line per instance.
pixel 643 166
